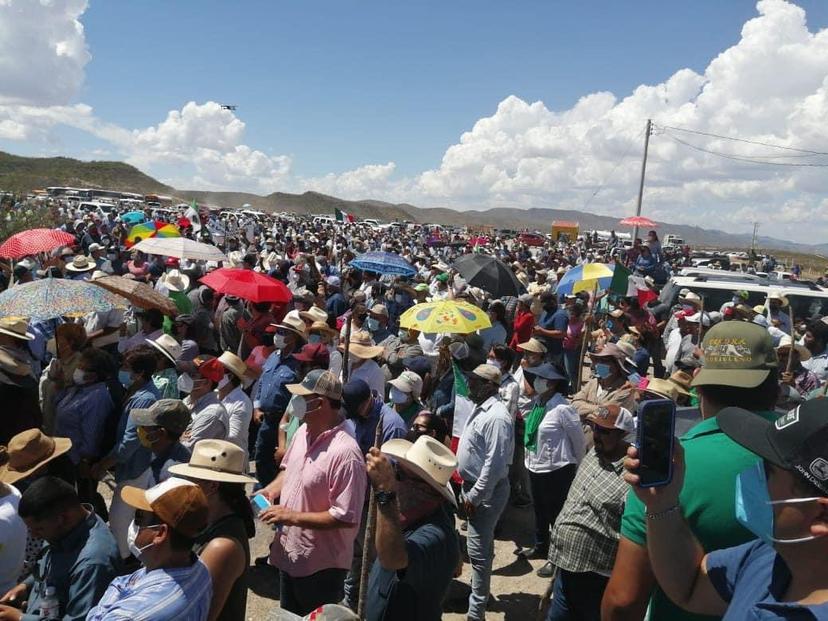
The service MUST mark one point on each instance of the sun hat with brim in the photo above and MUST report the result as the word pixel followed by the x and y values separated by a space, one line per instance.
pixel 175 281
pixel 18 328
pixel 488 372
pixel 294 324
pixel 28 451
pixel 737 354
pixel 613 417
pixel 215 460
pixel 408 382
pixel 233 363
pixel 546 371
pixel 533 345
pixel 682 380
pixel 692 297
pixel 168 346
pixel 314 314
pixel 322 326
pixel 178 503
pixel 785 344
pixel 171 414
pixel 775 295
pixel 611 350
pixel 81 263
pixel 318 382
pixel 430 460
pixel 796 441
pixel 362 346
pixel 662 388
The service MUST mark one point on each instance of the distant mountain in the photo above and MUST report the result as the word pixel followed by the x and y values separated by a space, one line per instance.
pixel 24 174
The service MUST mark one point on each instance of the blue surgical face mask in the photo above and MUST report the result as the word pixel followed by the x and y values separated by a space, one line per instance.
pixel 125 377
pixel 610 324
pixel 314 338
pixel 602 370
pixel 754 508
pixel 634 379
pixel 372 324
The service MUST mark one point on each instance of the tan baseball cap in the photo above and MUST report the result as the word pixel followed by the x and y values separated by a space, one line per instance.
pixel 488 372
pixel 408 382
pixel 318 382
pixel 180 504
pixel 738 354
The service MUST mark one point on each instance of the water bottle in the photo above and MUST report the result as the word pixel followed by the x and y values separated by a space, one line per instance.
pixel 50 606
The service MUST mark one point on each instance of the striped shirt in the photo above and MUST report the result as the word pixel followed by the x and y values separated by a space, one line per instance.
pixel 178 594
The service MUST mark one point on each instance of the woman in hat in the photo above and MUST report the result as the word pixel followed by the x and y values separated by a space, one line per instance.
pixel 321 332
pixel 17 383
pixel 555 444
pixel 217 466
pixel 165 378
pixel 70 339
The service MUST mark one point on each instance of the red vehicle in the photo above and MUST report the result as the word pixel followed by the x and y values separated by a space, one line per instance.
pixel 531 239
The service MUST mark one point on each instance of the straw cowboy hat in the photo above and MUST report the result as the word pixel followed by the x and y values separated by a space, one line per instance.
pixel 362 345
pixel 662 388
pixel 176 281
pixel 294 323
pixel 314 314
pixel 28 451
pixel 322 326
pixel 785 344
pixel 168 346
pixel 215 460
pixel 18 328
pixel 235 258
pixel 430 460
pixel 271 261
pixel 81 263
pixel 682 381
pixel 234 364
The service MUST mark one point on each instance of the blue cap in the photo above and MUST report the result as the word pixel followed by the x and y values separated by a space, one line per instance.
pixel 419 364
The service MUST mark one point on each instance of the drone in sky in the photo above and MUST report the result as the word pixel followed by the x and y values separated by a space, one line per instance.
pixel 228 106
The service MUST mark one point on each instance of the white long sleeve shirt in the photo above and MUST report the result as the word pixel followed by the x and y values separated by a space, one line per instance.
pixel 561 439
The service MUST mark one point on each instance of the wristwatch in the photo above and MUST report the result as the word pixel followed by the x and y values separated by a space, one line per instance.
pixel 384 498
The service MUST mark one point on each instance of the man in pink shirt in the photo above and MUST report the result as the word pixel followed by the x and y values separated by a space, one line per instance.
pixel 320 491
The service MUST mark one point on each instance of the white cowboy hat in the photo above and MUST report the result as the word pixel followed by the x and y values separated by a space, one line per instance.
pixel 313 314
pixel 18 328
pixel 81 263
pixel 785 343
pixel 176 281
pixel 215 460
pixel 430 460
pixel 294 323
pixel 168 346
pixel 234 364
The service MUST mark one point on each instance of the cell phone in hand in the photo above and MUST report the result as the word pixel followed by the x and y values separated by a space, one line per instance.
pixel 656 429
pixel 259 503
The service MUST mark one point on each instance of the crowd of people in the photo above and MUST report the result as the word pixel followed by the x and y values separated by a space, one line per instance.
pixel 141 450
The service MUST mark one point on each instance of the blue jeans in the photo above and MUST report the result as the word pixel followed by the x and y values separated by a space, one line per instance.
pixel 577 596
pixel 480 543
pixel 265 447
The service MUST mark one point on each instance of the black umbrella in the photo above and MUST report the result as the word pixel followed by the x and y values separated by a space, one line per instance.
pixel 489 274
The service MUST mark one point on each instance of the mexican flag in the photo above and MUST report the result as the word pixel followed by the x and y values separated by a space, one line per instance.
pixel 463 406
pixel 342 216
pixel 192 215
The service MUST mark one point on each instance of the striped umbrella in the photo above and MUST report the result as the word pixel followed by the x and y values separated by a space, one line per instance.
pixel 589 276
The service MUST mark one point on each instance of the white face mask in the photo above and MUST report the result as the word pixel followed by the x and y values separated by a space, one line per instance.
pixel 398 396
pixel 225 381
pixel 78 377
pixel 185 383
pixel 279 342
pixel 540 385
pixel 495 363
pixel 132 534
pixel 298 408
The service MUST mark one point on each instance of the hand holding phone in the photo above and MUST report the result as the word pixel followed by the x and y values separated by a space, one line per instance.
pixel 656 430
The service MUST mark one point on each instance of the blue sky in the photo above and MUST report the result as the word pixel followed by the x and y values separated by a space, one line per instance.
pixel 453 104
pixel 341 84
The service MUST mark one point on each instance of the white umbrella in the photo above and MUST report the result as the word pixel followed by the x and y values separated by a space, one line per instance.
pixel 180 247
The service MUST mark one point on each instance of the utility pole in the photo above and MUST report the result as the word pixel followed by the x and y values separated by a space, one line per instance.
pixel 643 171
pixel 753 241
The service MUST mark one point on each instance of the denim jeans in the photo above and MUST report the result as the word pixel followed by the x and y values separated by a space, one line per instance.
pixel 480 543
pixel 265 447
pixel 577 596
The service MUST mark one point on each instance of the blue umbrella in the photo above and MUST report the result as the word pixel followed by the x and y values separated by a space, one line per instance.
pixel 386 263
pixel 133 217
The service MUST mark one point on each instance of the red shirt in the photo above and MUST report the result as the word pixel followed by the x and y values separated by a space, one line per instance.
pixel 524 322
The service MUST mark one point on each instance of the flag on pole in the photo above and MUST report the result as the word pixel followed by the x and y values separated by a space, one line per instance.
pixel 463 406
pixel 192 215
pixel 342 216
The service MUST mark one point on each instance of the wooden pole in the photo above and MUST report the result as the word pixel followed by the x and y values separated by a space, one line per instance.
pixel 701 323
pixel 585 335
pixel 368 542
pixel 791 350
pixel 346 362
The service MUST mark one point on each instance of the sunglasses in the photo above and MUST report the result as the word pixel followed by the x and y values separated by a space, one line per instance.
pixel 599 430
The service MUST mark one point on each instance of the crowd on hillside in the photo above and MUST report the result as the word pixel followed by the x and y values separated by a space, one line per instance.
pixel 143 447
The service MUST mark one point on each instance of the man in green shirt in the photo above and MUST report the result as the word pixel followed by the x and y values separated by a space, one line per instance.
pixel 739 369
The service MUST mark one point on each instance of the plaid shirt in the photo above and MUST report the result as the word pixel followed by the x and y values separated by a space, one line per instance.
pixel 585 535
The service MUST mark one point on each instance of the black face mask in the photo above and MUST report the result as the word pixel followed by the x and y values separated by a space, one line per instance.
pixel 413 435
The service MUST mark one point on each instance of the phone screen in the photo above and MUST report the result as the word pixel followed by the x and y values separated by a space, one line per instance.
pixel 656 421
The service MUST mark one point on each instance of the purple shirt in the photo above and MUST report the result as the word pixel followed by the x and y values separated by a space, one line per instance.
pixel 329 475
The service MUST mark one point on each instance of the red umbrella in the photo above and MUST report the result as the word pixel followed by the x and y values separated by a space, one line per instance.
pixel 33 241
pixel 247 284
pixel 640 221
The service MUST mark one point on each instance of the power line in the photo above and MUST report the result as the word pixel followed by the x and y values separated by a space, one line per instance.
pixel 756 142
pixel 606 180
pixel 748 159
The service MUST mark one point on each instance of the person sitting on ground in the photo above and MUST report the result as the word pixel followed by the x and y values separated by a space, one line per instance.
pixel 79 562
pixel 173 584
pixel 417 545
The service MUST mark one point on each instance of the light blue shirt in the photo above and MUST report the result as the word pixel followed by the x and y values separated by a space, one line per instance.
pixel 179 594
pixel 485 449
